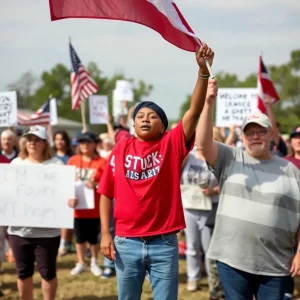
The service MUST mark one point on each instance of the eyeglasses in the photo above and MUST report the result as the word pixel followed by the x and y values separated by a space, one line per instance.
pixel 259 133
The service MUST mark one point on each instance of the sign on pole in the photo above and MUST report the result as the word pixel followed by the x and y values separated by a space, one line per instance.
pixel 234 104
pixel 8 109
pixel 98 108
pixel 36 195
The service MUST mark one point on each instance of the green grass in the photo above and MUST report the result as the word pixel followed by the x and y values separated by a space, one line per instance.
pixel 88 287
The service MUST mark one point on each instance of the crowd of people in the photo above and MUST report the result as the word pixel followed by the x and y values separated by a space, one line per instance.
pixel 232 195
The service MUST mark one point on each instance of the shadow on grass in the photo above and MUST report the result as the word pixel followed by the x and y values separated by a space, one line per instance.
pixel 89 297
pixel 10 271
pixel 65 264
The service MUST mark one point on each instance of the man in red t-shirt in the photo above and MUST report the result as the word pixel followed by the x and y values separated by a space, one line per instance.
pixel 143 176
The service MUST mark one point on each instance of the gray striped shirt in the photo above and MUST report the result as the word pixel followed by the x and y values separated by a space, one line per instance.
pixel 34 232
pixel 258 213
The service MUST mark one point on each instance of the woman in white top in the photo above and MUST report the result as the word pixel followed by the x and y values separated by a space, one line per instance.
pixel 35 244
pixel 199 190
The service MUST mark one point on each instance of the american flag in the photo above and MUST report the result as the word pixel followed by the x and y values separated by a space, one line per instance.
pixel 82 84
pixel 40 117
pixel 265 86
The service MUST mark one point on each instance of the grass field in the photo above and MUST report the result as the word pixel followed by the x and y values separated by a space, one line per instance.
pixel 88 287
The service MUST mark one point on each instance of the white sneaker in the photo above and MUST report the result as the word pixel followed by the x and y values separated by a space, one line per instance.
pixel 192 286
pixel 79 268
pixel 108 272
pixel 96 270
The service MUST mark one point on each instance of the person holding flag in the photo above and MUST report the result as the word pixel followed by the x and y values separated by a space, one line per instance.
pixel 143 176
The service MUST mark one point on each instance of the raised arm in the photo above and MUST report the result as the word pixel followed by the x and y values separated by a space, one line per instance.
pixel 270 113
pixel 190 118
pixel 110 129
pixel 204 134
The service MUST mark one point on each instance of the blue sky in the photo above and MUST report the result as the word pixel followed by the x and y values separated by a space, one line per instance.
pixel 237 30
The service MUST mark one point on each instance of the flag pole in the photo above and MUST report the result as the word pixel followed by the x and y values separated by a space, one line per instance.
pixel 83 119
pixel 212 76
pixel 49 127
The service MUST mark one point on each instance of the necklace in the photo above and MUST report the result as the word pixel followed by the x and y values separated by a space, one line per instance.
pixel 85 170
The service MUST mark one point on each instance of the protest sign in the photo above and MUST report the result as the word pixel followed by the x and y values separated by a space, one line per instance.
pixel 123 91
pixel 98 107
pixel 8 109
pixel 84 195
pixel 36 195
pixel 234 104
pixel 53 112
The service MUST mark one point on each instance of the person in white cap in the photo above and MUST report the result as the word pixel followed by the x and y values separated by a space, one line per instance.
pixel 258 214
pixel 35 244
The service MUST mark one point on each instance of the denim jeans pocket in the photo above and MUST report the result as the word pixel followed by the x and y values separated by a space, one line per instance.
pixel 170 240
pixel 118 240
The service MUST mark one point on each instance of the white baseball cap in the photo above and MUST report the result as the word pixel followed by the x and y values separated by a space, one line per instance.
pixel 257 118
pixel 39 131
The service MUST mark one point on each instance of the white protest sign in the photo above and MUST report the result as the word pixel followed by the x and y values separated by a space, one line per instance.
pixel 98 107
pixel 123 91
pixel 53 112
pixel 8 109
pixel 86 196
pixel 193 198
pixel 36 195
pixel 234 104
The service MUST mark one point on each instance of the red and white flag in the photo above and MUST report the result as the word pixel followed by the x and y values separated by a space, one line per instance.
pixel 162 16
pixel 265 86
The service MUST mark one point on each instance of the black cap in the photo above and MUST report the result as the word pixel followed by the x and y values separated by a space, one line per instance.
pixel 87 136
pixel 296 131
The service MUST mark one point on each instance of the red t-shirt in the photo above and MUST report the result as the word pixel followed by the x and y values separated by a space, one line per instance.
pixel 88 170
pixel 294 160
pixel 144 180
pixel 4 160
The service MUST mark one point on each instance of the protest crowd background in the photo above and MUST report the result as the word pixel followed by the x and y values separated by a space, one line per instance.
pixel 59 142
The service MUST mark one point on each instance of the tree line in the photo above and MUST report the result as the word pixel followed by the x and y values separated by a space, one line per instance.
pixel 34 90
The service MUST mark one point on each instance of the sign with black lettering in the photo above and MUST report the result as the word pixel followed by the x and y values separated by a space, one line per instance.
pixel 36 195
pixel 234 105
pixel 8 109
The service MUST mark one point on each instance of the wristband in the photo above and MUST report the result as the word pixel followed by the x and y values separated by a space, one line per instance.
pixel 203 76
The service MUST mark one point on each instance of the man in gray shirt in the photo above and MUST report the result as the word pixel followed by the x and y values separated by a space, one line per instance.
pixel 259 208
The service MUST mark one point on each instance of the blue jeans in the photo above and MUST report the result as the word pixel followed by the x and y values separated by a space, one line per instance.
pixel 239 285
pixel 158 256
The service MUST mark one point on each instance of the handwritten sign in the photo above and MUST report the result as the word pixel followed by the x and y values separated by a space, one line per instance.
pixel 36 195
pixel 193 198
pixel 234 104
pixel 8 109
pixel 98 107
